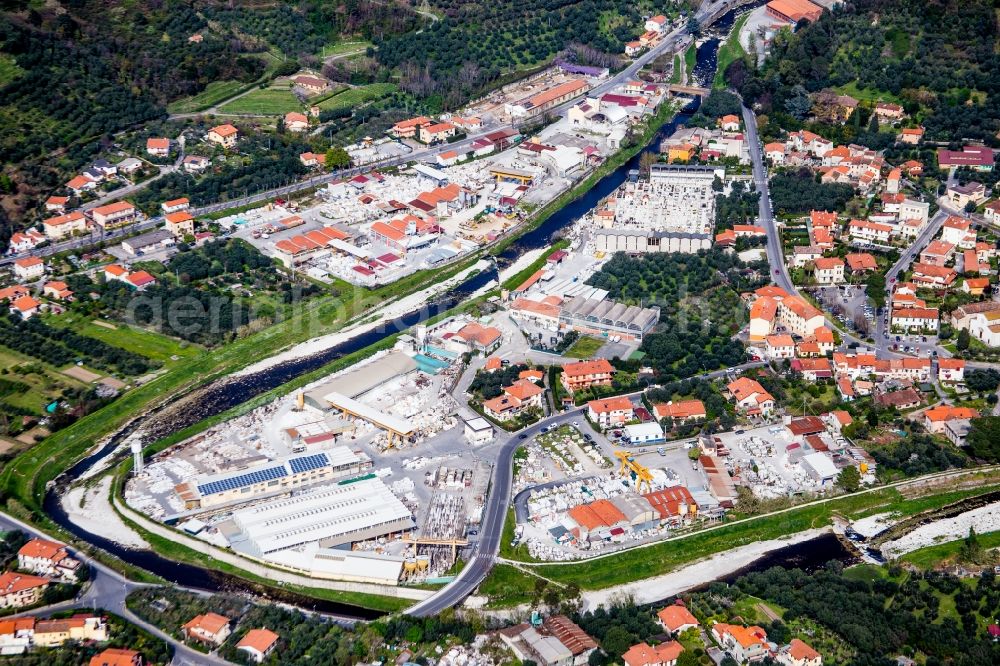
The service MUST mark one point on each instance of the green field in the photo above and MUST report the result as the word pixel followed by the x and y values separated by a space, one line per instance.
pixel 585 347
pixel 865 94
pixel 354 97
pixel 147 343
pixel 45 382
pixel 8 69
pixel 340 48
pixel 214 92
pixel 266 102
pixel 730 51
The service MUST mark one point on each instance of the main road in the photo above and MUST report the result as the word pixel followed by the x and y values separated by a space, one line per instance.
pixel 107 589
pixel 487 548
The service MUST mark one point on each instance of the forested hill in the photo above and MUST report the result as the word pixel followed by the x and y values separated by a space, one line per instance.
pixel 936 57
pixel 74 73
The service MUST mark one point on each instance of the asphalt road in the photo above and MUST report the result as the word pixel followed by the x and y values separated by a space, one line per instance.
pixel 485 551
pixel 107 589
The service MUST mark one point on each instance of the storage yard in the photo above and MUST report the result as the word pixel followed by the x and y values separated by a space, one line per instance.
pixel 324 480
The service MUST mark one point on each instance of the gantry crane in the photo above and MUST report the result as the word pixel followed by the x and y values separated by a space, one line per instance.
pixel 640 474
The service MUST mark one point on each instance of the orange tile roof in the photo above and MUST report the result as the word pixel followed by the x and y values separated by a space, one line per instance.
pixel 25 303
pixel 178 217
pixel 601 513
pixel 801 308
pixel 112 208
pixel 828 263
pixel 584 368
pixel 772 291
pixel 259 639
pixel 783 340
pixel 620 403
pixel 224 130
pixel 763 308
pixel 533 375
pixel 744 387
pixel 41 548
pixel 493 363
pixel 157 143
pixel 176 202
pixel 296 117
pixel 390 232
pixel 799 650
pixel 861 261
pixel 947 413
pixel 951 363
pixel 675 616
pixel 115 657
pixel 115 270
pixel 523 389
pixel 60 220
pixel 682 409
pixel 140 278
pixel 12 582
pixel 745 636
pixel 28 262
pixel 545 309
pixel 483 335
pixel 210 623
pixel 640 654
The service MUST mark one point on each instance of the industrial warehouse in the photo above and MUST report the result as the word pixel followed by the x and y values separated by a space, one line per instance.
pixel 671 211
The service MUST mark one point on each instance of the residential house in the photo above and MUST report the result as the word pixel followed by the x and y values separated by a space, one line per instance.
pixel 681 411
pixel 407 129
pixel 937 253
pixel 914 210
pixel 584 374
pixel 80 184
pixel 633 49
pixel 311 84
pixel 19 590
pixel 25 306
pixel 158 146
pixel 813 369
pixel 139 280
pixel 729 123
pixel 803 255
pixel 258 644
pixel 195 163
pixel 829 270
pixel 927 275
pixel 861 262
pixel 28 269
pixel 479 338
pixel 61 226
pixel 225 135
pixel 311 159
pixel 114 215
pixel 79 627
pixel 656 23
pixel 744 644
pixel 763 313
pixel 798 653
pixel 751 398
pixel 992 211
pixel 910 135
pixel 664 654
pixel 180 224
pixel 175 205
pixel 26 240
pixel 296 122
pixel 57 290
pixel 975 286
pixel 888 112
pixel 893 181
pixel 114 272
pixel 437 132
pixel 962 195
pixel 676 619
pixel 871 232
pixel 117 657
pixel 779 346
pixel 936 418
pixel 964 316
pixel 972 264
pixel 515 399
pixel 775 153
pixel 47 558
pixel 951 370
pixel 957 231
pixel 609 412
pixel 209 628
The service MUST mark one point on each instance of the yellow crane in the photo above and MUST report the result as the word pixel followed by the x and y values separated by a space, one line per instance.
pixel 640 474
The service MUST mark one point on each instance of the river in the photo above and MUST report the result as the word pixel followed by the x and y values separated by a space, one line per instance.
pixel 224 394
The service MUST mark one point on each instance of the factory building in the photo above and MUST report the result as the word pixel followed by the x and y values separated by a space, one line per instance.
pixel 604 318
pixel 271 478
pixel 336 564
pixel 330 516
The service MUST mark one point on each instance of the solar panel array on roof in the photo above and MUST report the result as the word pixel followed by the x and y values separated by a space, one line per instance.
pixel 306 463
pixel 242 480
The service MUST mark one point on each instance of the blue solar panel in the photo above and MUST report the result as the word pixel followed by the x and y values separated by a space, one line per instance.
pixel 242 480
pixel 306 463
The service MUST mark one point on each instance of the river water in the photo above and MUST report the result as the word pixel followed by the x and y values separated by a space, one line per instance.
pixel 224 394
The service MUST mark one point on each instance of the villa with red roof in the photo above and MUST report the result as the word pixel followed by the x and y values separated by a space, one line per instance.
pixel 676 619
pixel 584 374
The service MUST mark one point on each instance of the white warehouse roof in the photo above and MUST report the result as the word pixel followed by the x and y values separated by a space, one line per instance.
pixel 359 566
pixel 333 514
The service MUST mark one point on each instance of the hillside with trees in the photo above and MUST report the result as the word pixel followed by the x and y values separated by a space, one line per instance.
pixel 937 59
